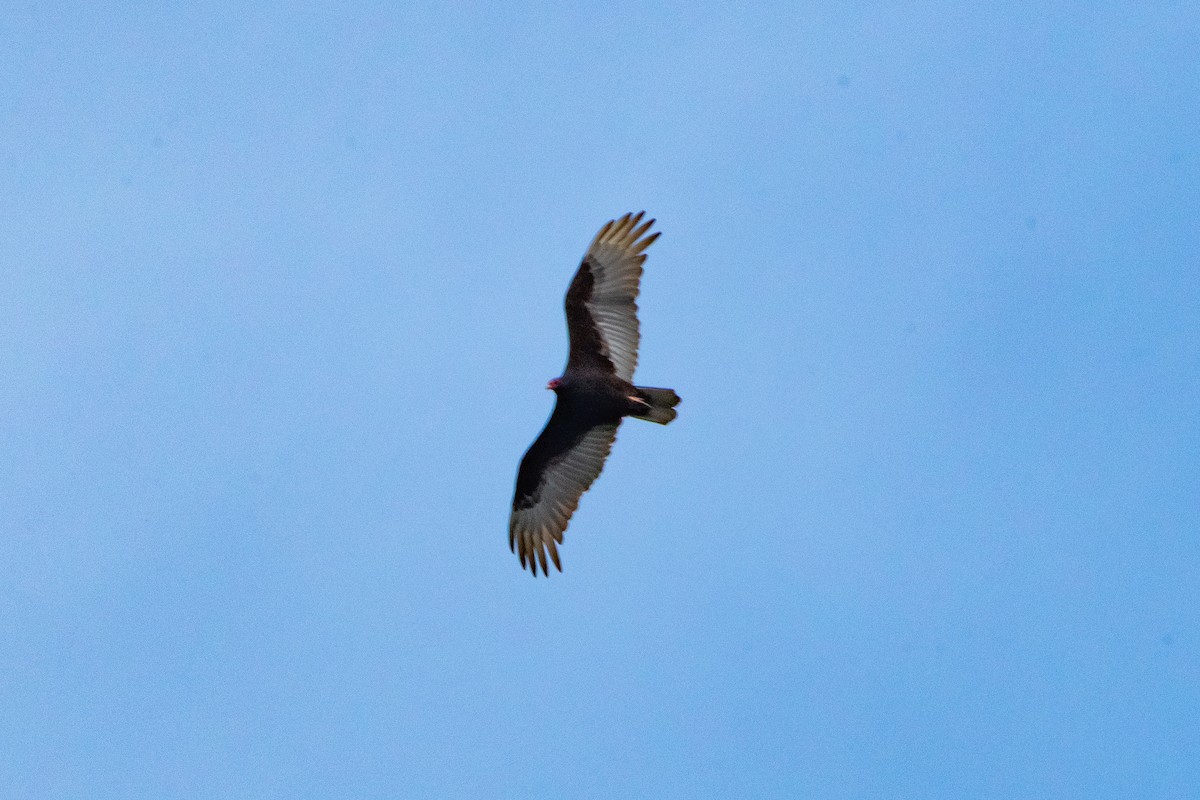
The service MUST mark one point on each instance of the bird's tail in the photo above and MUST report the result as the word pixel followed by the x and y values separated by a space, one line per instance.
pixel 662 404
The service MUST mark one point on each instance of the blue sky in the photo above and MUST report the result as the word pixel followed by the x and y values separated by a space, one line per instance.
pixel 279 291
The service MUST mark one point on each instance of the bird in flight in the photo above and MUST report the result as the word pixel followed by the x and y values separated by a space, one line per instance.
pixel 594 393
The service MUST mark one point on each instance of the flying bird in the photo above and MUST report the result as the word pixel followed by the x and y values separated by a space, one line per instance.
pixel 594 393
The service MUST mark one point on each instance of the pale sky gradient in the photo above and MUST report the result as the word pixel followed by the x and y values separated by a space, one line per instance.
pixel 280 286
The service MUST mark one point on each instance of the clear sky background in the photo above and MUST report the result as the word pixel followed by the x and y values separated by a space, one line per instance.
pixel 280 288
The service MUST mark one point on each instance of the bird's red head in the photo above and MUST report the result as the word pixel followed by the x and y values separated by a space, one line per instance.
pixel 554 384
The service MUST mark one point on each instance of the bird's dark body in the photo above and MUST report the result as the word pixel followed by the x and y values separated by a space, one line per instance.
pixel 602 397
pixel 585 399
pixel 586 346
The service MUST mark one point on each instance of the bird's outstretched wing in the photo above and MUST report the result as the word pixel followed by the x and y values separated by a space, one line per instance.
pixel 601 302
pixel 557 469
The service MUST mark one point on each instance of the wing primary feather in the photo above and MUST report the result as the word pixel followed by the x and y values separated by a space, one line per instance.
pixel 607 226
pixel 645 226
pixel 644 243
pixel 622 226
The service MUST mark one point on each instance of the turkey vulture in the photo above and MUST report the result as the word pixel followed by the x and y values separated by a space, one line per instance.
pixel 594 393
